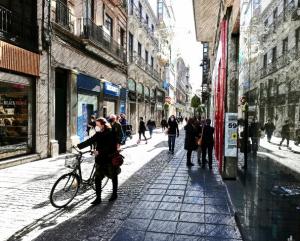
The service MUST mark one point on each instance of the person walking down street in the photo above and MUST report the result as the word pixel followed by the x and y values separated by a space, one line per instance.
pixel 151 126
pixel 207 144
pixel 190 141
pixel 117 130
pixel 106 146
pixel 269 128
pixel 285 134
pixel 164 124
pixel 254 134
pixel 173 131
pixel 142 129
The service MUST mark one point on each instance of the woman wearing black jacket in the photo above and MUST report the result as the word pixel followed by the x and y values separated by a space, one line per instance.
pixel 190 141
pixel 173 131
pixel 106 146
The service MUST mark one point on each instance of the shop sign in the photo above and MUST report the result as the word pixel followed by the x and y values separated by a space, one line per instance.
pixel 131 85
pixel 231 134
pixel 111 89
pixel 140 88
pixel 85 82
pixel 122 107
pixel 165 85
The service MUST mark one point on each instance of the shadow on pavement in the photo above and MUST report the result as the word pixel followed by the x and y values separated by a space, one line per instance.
pixel 90 222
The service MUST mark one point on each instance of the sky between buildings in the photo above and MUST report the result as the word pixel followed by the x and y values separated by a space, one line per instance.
pixel 185 40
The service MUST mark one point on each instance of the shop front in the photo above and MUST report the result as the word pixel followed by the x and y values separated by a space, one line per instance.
pixel 140 99
pixel 147 103
pixel 152 103
pixel 123 101
pixel 16 115
pixel 111 94
pixel 160 97
pixel 88 89
pixel 132 109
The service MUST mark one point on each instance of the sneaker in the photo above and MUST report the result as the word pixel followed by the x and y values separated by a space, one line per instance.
pixel 96 201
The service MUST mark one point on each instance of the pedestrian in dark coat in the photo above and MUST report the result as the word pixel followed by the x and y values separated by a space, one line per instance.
pixel 164 124
pixel 285 133
pixel 269 128
pixel 106 146
pixel 207 144
pixel 173 131
pixel 142 130
pixel 151 126
pixel 190 143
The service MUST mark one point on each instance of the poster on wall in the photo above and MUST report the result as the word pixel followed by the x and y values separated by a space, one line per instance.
pixel 122 107
pixel 231 134
pixel 82 123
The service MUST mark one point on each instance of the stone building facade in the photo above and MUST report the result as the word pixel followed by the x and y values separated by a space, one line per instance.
pixel 146 95
pixel 83 63
pixel 277 83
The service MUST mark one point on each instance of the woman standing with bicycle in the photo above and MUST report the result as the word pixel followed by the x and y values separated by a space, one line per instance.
pixel 106 146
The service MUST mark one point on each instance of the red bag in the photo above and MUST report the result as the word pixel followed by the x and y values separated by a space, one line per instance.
pixel 117 159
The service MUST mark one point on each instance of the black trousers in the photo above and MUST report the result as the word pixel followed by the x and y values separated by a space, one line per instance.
pixel 140 135
pixel 207 149
pixel 98 183
pixel 189 157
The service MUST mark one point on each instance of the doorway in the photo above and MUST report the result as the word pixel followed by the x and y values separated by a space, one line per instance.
pixel 61 79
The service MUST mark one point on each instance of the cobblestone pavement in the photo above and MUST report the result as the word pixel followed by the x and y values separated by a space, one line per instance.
pixel 159 199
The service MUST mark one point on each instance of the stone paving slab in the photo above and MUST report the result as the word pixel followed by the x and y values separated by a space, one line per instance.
pixel 182 204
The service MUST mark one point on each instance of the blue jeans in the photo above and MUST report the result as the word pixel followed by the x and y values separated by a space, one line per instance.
pixel 171 142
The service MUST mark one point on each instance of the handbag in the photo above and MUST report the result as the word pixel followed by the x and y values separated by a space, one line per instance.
pixel 117 159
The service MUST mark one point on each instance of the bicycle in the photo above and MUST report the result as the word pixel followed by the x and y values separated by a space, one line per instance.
pixel 66 187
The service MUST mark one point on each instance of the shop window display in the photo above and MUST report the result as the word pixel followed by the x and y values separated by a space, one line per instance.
pixel 15 106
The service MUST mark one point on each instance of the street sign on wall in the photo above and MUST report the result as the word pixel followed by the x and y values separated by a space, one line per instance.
pixel 231 134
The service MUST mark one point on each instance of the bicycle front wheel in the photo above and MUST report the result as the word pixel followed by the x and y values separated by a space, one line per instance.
pixel 64 190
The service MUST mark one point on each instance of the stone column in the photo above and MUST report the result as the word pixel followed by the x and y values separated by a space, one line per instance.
pixel 73 109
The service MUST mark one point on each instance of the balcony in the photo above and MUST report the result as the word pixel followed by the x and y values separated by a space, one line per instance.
pixel 63 16
pixel 282 17
pixel 141 62
pixel 17 30
pixel 90 31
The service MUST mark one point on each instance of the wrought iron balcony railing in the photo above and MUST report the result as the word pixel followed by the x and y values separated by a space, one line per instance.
pixel 63 16
pixel 89 30
pixel 282 61
pixel 17 30
pixel 141 62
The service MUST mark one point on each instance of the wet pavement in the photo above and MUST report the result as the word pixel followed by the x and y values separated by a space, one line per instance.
pixel 267 201
pixel 159 199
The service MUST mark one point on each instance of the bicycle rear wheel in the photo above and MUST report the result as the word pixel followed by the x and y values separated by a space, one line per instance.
pixel 64 190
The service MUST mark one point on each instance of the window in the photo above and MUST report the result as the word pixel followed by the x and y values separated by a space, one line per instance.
pixel 266 22
pixel 147 20
pixel 131 7
pixel 265 61
pixel 297 37
pixel 275 14
pixel 122 37
pixel 152 28
pixel 152 62
pixel 274 54
pixel 146 56
pixel 139 49
pixel 285 44
pixel 285 6
pixel 109 24
pixel 140 10
pixel 130 46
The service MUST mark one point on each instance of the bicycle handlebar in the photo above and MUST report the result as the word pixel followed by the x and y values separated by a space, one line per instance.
pixel 81 152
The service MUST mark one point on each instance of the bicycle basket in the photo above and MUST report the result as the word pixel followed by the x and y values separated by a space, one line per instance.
pixel 71 161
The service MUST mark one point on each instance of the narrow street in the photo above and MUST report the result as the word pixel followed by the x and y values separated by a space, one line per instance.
pixel 159 199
